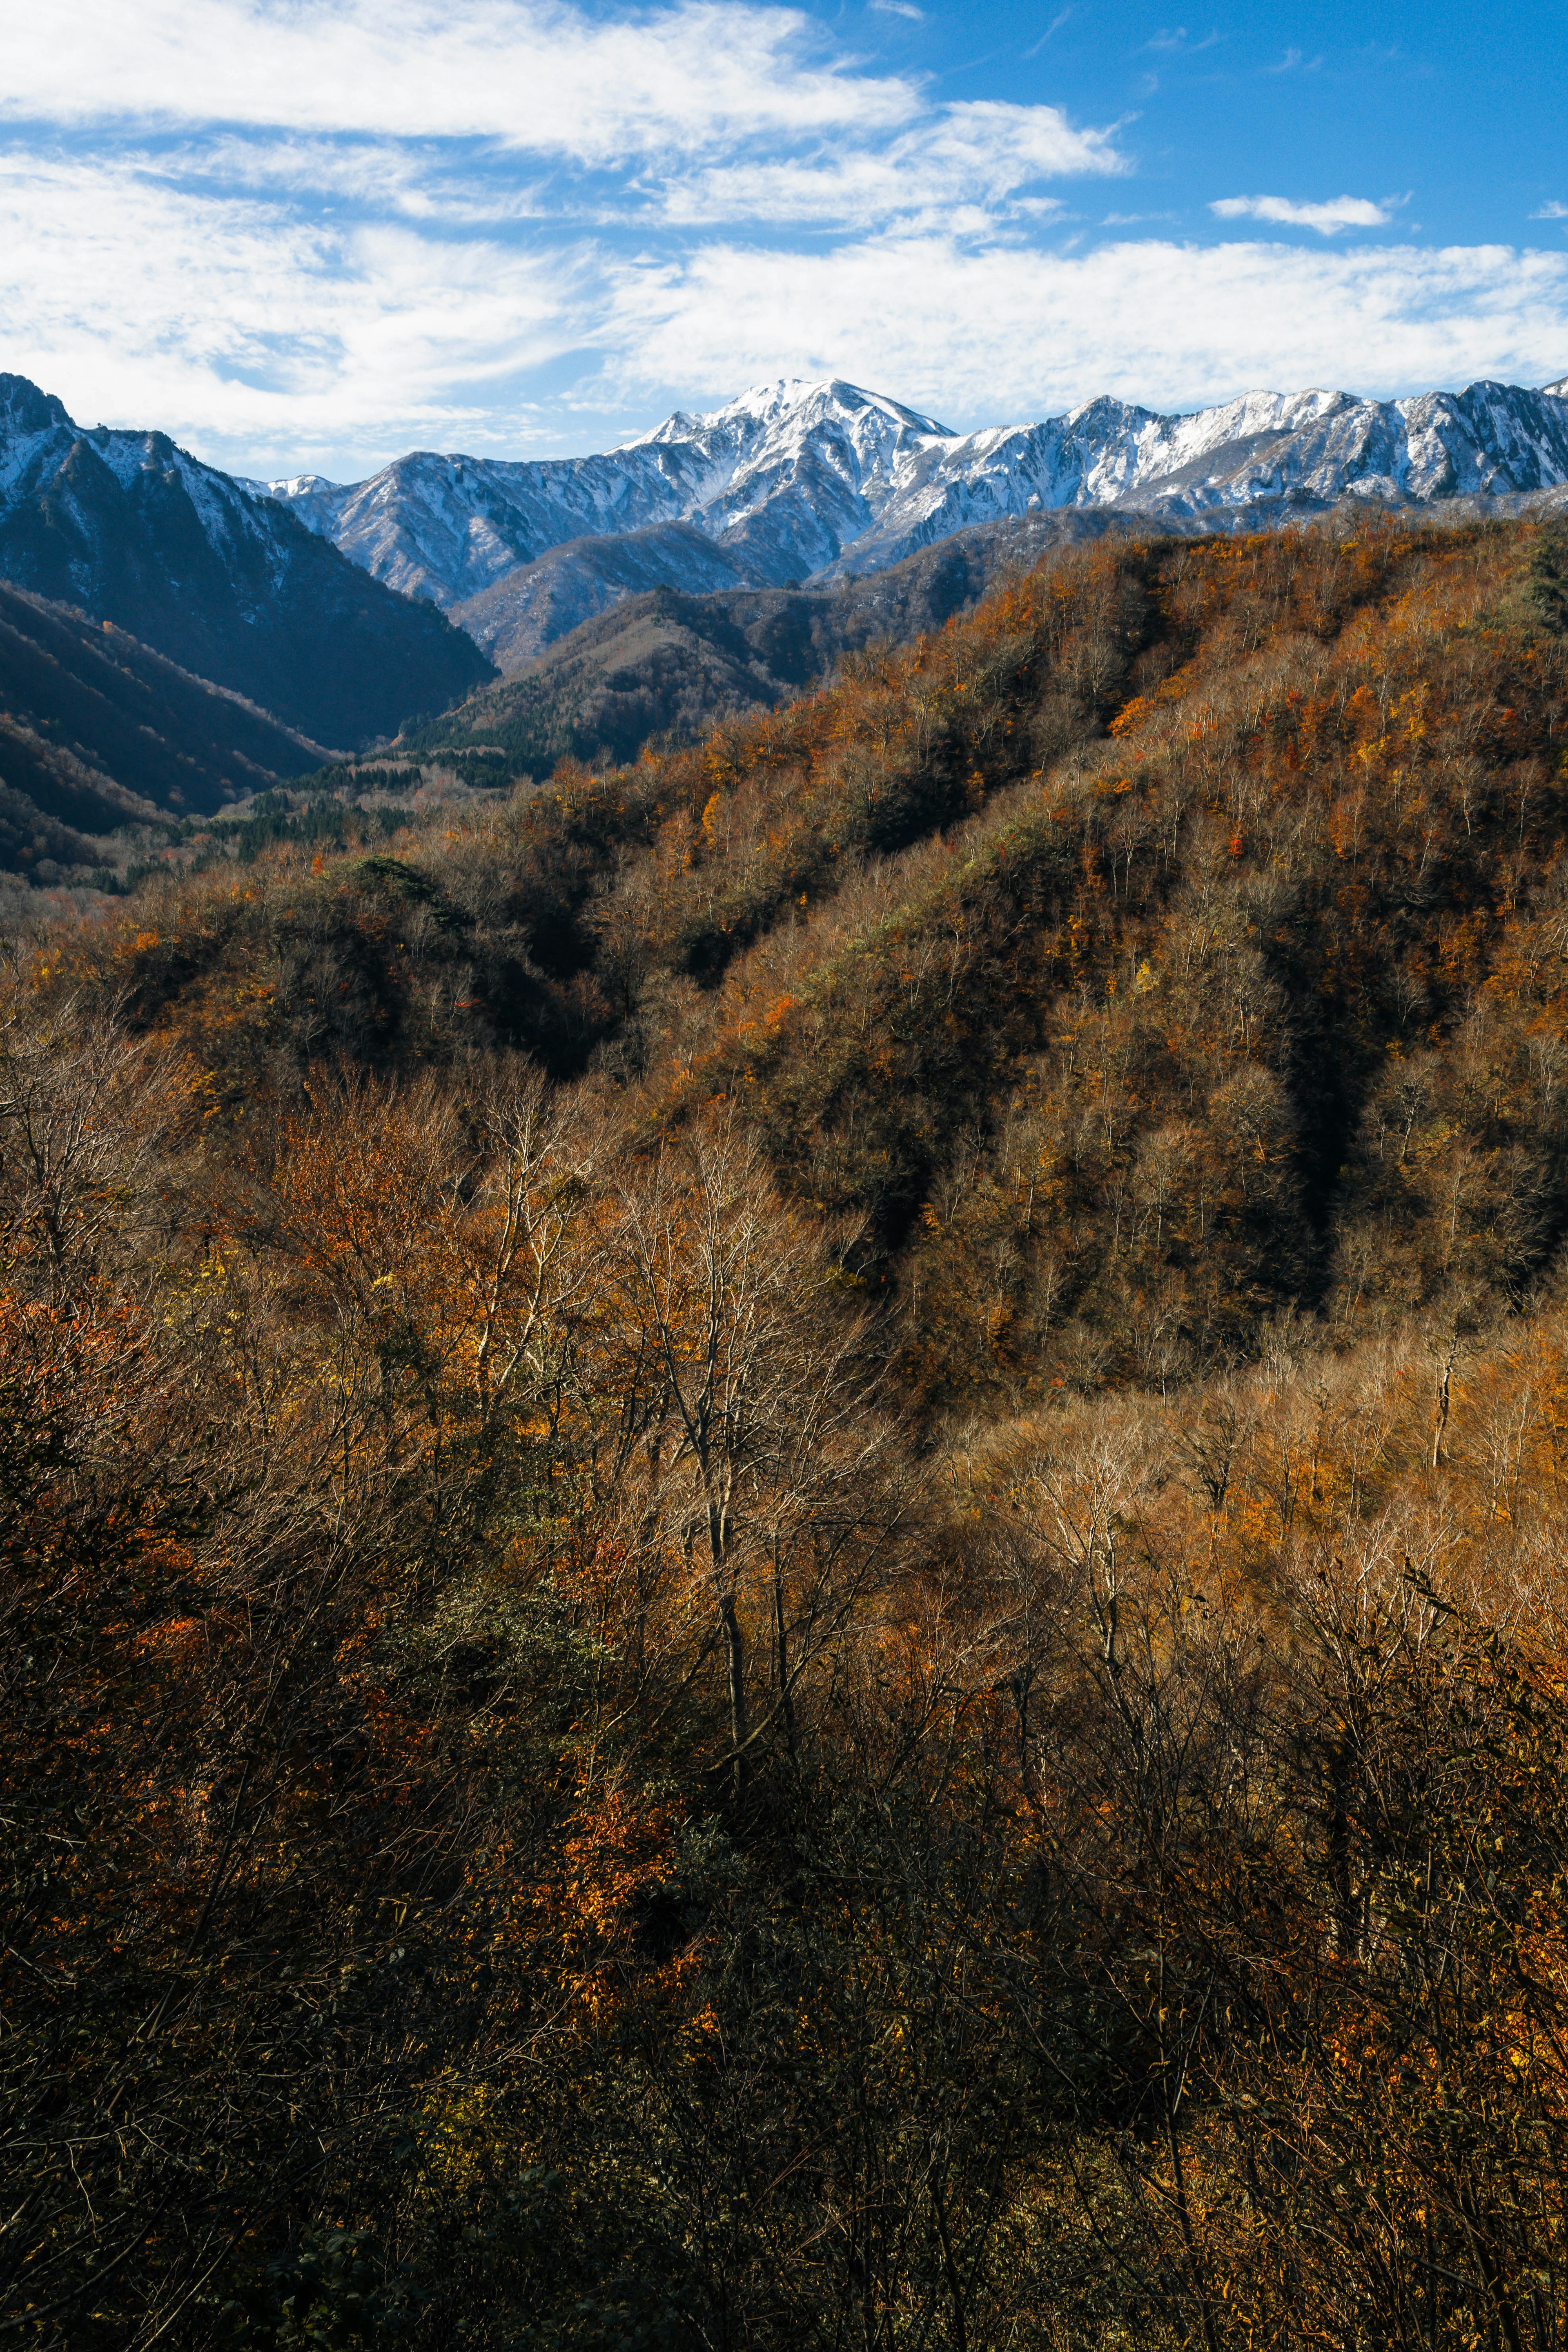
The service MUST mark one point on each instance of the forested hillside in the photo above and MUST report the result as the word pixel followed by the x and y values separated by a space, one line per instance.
pixel 783 1530
pixel 96 727
pixel 661 665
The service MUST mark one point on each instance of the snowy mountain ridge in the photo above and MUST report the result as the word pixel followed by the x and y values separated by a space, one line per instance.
pixel 234 587
pixel 41 446
pixel 798 479
pixel 784 476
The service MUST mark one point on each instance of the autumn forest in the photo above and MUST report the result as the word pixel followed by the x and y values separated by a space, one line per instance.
pixel 785 1531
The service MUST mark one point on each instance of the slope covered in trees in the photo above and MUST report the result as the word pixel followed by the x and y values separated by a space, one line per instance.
pixel 784 1532
pixel 1138 959
pixel 662 666
pixel 96 727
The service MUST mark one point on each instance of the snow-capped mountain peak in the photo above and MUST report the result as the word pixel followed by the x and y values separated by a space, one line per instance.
pixel 802 400
pixel 800 475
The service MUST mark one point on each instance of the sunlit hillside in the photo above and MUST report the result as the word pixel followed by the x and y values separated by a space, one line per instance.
pixel 784 1530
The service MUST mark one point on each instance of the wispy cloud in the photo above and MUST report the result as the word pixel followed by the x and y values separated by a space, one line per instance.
pixel 1050 32
pixel 236 329
pixel 682 112
pixel 1178 42
pixel 1327 219
pixel 898 8
pixel 525 73
pixel 982 153
pixel 1553 211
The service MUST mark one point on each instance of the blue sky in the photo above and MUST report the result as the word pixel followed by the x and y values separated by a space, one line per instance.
pixel 308 233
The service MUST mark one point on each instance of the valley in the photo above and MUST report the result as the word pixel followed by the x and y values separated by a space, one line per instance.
pixel 786 1456
pixel 793 528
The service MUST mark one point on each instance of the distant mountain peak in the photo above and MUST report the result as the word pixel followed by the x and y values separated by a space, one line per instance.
pixel 25 409
pixel 792 397
pixel 800 477
pixel 295 486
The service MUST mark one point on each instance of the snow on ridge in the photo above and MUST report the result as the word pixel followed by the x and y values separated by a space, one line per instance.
pixel 799 475
pixel 292 485
pixel 783 398
pixel 39 438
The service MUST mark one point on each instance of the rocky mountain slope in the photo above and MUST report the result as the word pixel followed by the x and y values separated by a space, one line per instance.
pixel 230 586
pixel 96 729
pixel 797 479
pixel 530 607
pixel 783 477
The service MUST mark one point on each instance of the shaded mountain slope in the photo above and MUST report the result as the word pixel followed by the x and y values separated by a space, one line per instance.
pixel 230 586
pixel 531 608
pixel 96 727
pixel 1255 1004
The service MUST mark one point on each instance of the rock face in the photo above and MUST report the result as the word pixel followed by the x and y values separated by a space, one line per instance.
pixel 233 587
pixel 798 480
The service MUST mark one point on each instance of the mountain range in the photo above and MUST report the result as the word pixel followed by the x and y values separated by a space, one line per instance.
pixel 128 528
pixel 663 665
pixel 798 480
pixel 251 623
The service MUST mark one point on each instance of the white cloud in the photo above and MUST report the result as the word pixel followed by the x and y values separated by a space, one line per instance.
pixel 236 329
pixel 1007 334
pixel 1178 42
pixel 391 176
pixel 980 154
pixel 899 8
pixel 693 112
pixel 529 73
pixel 1052 29
pixel 1327 219
pixel 1552 211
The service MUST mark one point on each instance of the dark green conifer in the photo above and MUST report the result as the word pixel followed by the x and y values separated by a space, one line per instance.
pixel 1548 586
